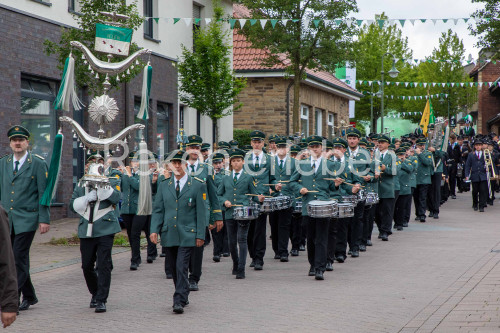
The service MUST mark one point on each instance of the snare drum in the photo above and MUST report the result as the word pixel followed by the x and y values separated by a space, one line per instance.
pixel 353 199
pixel 371 198
pixel 345 209
pixel 268 206
pixel 297 209
pixel 283 202
pixel 322 209
pixel 246 213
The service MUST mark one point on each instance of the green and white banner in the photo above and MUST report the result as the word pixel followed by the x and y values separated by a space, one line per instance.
pixel 114 40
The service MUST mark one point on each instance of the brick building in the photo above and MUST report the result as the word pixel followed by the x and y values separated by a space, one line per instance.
pixel 488 98
pixel 324 99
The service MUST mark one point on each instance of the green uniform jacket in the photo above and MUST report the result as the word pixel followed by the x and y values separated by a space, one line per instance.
pixel 346 175
pixel 359 164
pixel 180 221
pixel 20 194
pixel 205 173
pixel 397 187
pixel 236 193
pixel 405 177
pixel 425 168
pixel 413 176
pixel 372 185
pixel 117 175
pixel 130 190
pixel 438 160
pixel 106 225
pixel 387 177
pixel 304 176
pixel 263 175
pixel 284 175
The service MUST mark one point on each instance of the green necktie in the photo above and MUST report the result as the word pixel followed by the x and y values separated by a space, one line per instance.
pixel 192 169
pixel 281 164
pixel 178 188
pixel 256 163
pixel 235 179
pixel 16 169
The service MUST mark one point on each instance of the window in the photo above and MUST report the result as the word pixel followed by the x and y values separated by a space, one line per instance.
pixel 318 120
pixel 74 6
pixel 163 115
pixel 304 120
pixel 148 23
pixel 139 134
pixel 330 133
pixel 38 115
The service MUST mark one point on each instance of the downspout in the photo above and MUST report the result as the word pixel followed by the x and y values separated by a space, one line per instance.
pixel 288 108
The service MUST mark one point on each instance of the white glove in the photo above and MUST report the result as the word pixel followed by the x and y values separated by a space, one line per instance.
pixel 91 196
pixel 104 193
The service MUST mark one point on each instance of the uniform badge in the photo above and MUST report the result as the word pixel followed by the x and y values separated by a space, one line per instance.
pixel 204 196
pixel 118 188
pixel 46 174
pixel 117 176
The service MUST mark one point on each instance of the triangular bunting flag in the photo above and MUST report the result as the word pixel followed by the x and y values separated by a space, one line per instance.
pixel 402 22
pixel 359 22
pixel 263 23
pixel 315 22
pixel 412 21
pixel 156 19
pixel 188 21
pixel 381 23
pixel 176 20
pixel 445 20
pixel 232 22
pixel 252 21
pixel 208 20
pixel 434 21
pixel 273 23
pixel 285 22
pixel 242 23
pixel 455 21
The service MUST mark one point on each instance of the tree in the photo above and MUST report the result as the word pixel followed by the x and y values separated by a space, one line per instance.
pixel 306 40
pixel 89 15
pixel 374 41
pixel 207 81
pixel 487 25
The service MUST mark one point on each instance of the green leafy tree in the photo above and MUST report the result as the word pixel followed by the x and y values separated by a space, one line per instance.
pixel 487 27
pixel 89 15
pixel 305 40
pixel 207 81
pixel 374 41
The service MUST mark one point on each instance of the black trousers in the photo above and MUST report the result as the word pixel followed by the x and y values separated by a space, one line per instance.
pixel 141 223
pixel 400 212
pixel 127 221
pixel 452 173
pixel 280 221
pixel 178 259
pixel 368 220
pixel 220 240
pixel 303 236
pixel 355 227
pixel 434 193
pixel 408 207
pixel 196 262
pixel 238 245
pixel 341 237
pixel 317 241
pixel 479 193
pixel 385 213
pixel 332 240
pixel 420 196
pixel 92 250
pixel 296 231
pixel 257 239
pixel 21 244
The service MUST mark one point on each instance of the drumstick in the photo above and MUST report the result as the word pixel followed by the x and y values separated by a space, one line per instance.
pixel 236 206
pixel 312 191
pixel 256 195
pixel 352 184
pixel 273 184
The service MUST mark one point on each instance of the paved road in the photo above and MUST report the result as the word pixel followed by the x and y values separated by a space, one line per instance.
pixel 439 276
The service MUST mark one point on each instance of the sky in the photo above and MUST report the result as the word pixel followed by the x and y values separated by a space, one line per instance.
pixel 424 37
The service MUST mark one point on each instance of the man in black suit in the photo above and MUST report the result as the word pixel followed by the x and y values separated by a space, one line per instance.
pixel 454 158
pixel 475 171
pixel 468 130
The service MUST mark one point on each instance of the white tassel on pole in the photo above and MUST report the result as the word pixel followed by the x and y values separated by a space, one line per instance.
pixel 67 93
pixel 145 201
pixel 146 89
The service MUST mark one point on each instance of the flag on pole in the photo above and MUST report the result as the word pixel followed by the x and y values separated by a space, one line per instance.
pixel 115 40
pixel 427 117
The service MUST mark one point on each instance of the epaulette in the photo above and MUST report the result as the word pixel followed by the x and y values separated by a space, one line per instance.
pixel 4 156
pixel 200 180
pixel 40 157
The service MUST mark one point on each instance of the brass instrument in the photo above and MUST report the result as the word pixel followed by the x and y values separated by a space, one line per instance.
pixel 489 164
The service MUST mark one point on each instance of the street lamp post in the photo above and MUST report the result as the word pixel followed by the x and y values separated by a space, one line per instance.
pixel 392 73
pixel 371 111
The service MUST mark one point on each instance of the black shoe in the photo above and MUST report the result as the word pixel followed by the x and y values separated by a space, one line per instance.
pixel 481 209
pixel 379 236
pixel 100 307
pixel 177 308
pixel 25 304
pixel 240 275
pixel 277 256
pixel 133 266
pixel 216 258
pixel 362 248
pixel 294 253
pixel 150 259
pixel 193 286
pixel 319 275
pixel 252 264
pixel 302 248
pixel 284 259
pixel 453 196
pixel 311 271
pixel 225 254
pixel 340 258
pixel 162 255
pixel 436 216
pixel 384 237
pixel 349 252
pixel 405 224
pixel 258 266
pixel 369 243
pixel 93 303
pixel 399 228
pixel 475 209
pixel 431 214
pixel 170 276
pixel 417 218
pixel 329 266
pixel 354 254
pixel 422 218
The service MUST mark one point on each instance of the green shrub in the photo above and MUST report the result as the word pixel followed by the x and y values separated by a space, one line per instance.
pixel 242 136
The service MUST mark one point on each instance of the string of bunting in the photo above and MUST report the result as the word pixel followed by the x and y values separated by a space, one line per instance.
pixel 409 98
pixel 428 84
pixel 403 114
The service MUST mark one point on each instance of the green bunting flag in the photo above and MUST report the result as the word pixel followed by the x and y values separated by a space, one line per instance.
pixel 53 174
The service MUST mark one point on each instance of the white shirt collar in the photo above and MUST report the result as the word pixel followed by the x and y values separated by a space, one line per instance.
pixel 182 181
pixel 239 174
pixel 279 159
pixel 196 163
pixel 21 161
pixel 355 152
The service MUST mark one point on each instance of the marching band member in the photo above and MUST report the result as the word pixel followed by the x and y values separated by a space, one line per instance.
pixel 424 173
pixel 404 174
pixel 221 244
pixel 387 170
pixel 475 171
